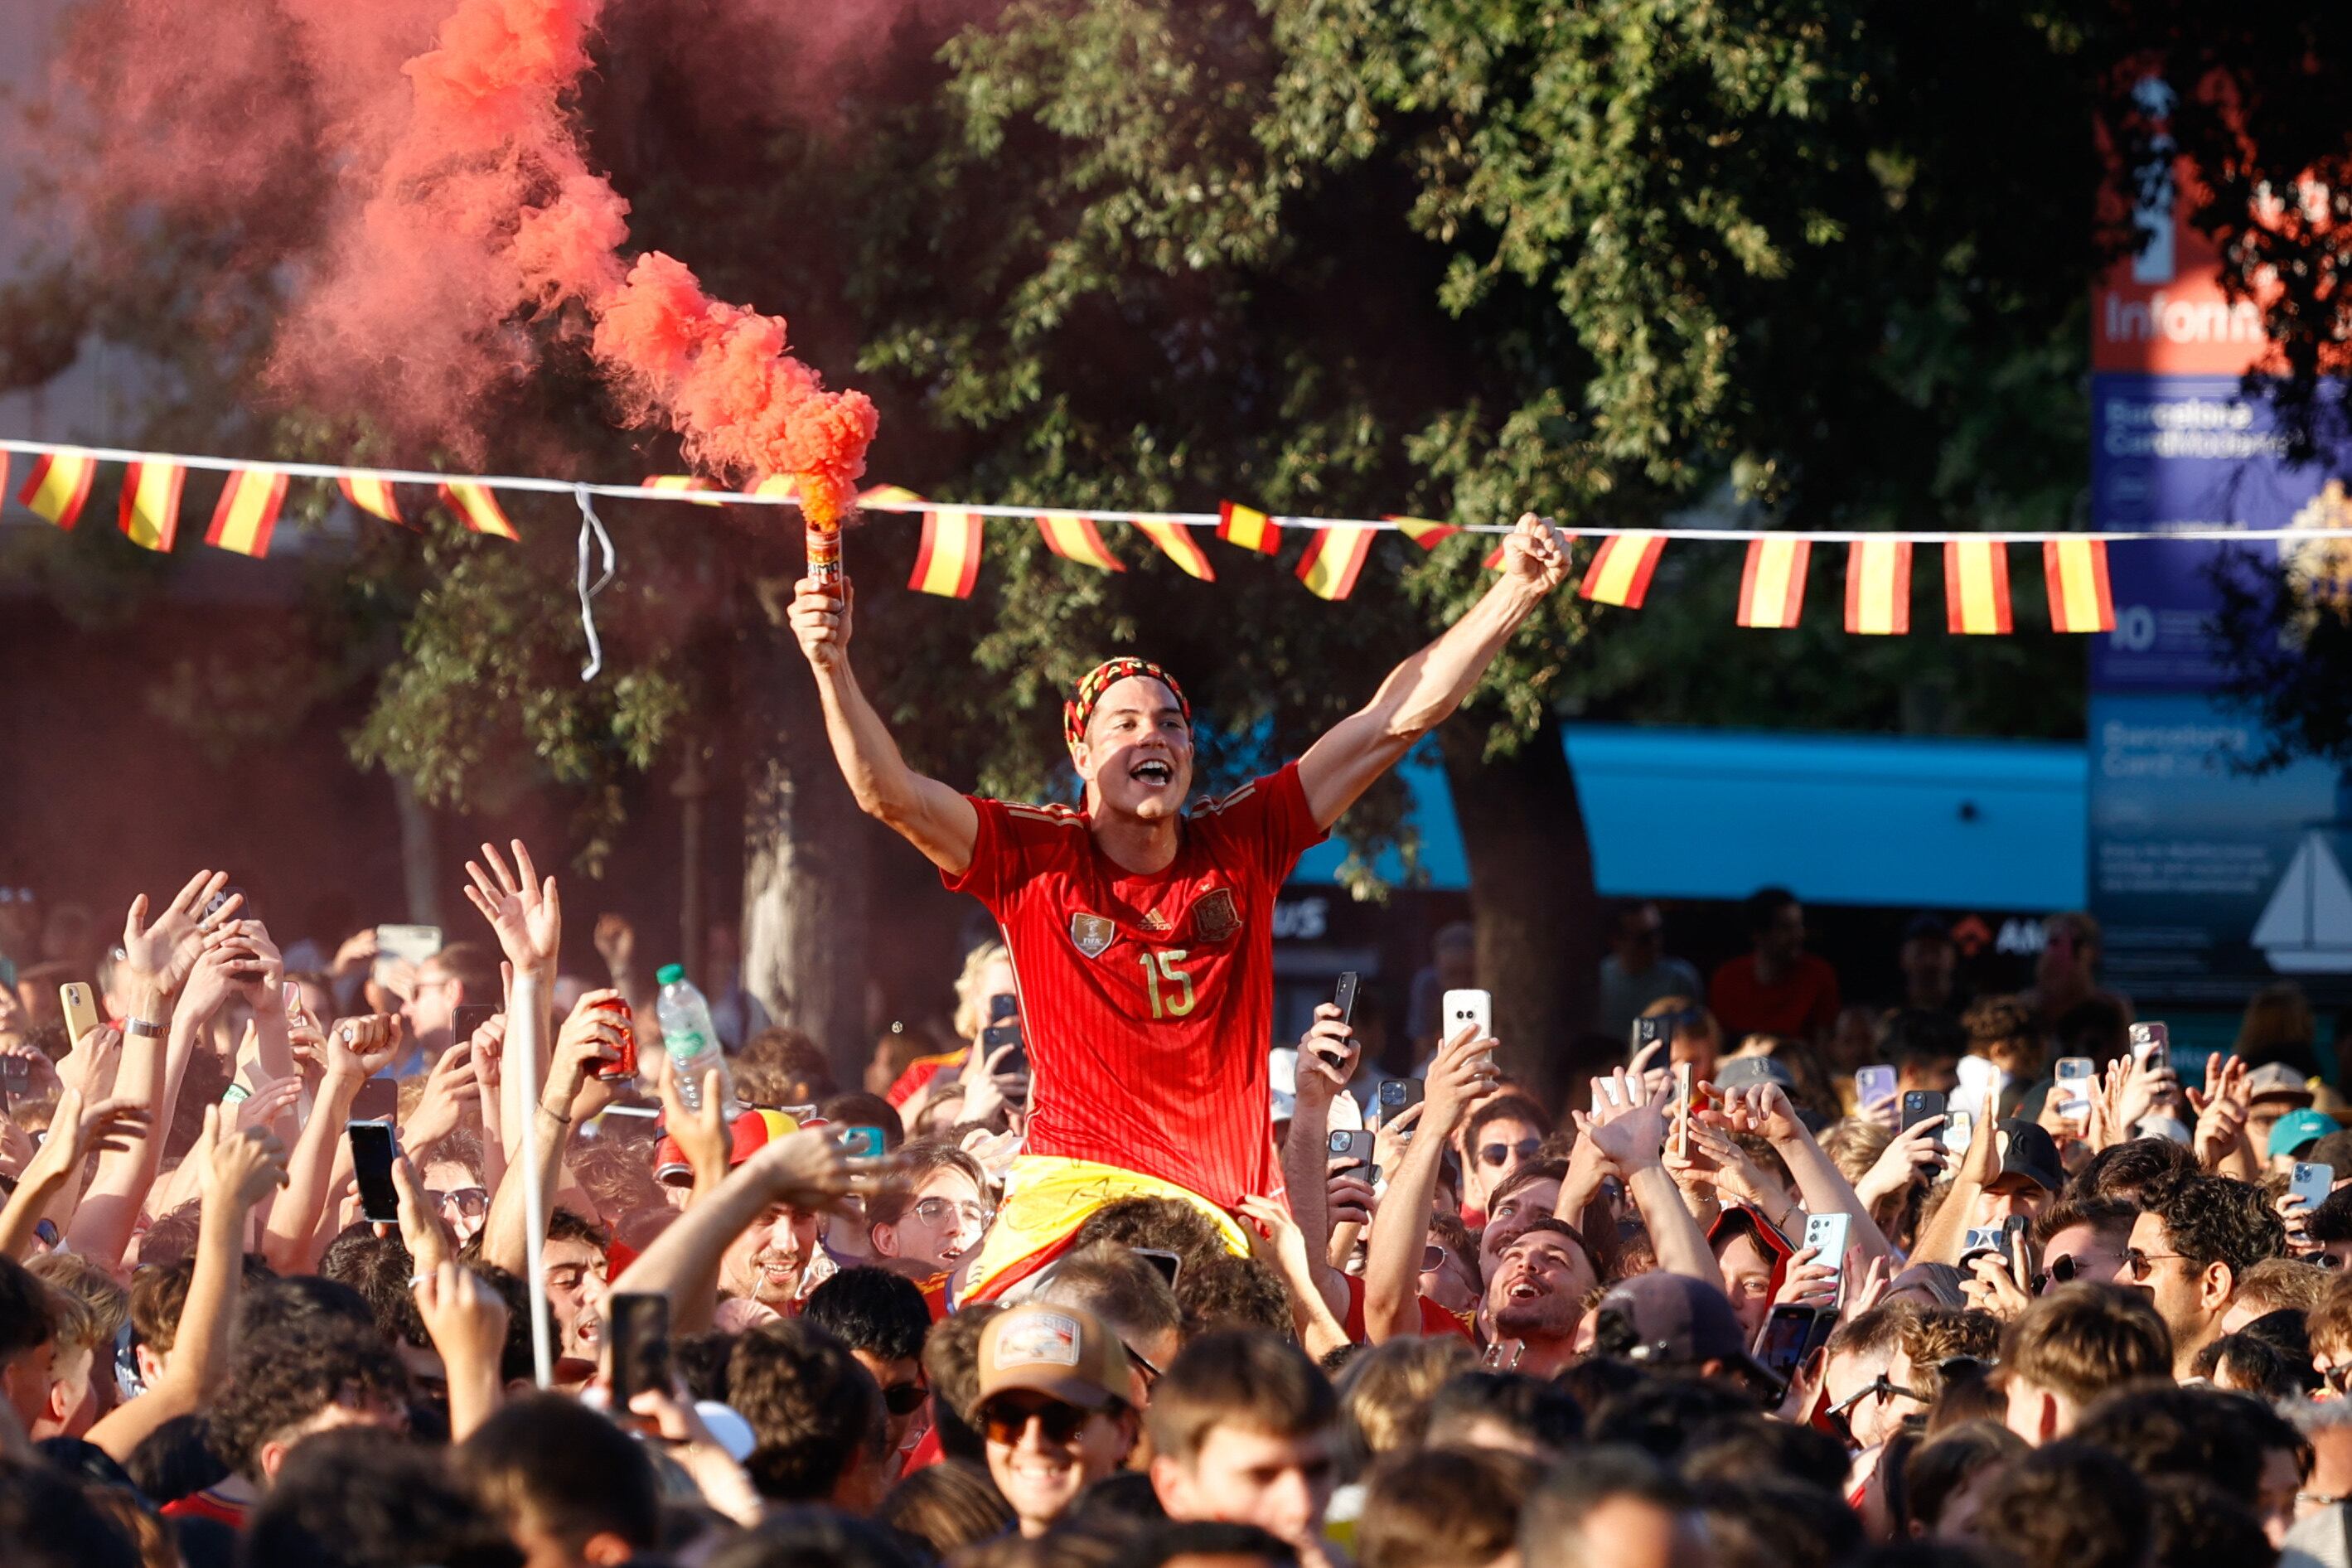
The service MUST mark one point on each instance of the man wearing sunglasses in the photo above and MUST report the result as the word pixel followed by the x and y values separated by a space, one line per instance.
pixel 2082 1238
pixel 1053 1408
pixel 883 1319
pixel 1504 1134
pixel 2189 1252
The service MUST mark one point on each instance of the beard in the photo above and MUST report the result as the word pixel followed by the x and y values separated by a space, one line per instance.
pixel 1537 1318
pixel 766 1288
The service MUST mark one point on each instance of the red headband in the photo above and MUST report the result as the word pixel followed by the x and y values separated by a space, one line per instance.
pixel 1101 679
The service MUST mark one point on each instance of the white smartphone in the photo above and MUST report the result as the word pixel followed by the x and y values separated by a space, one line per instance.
pixel 2071 1083
pixel 1457 1009
pixel 413 944
pixel 1873 1084
pixel 2312 1183
pixel 1960 1126
pixel 1826 1235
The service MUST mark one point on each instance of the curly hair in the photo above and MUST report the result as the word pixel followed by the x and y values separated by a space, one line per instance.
pixel 2217 1219
pixel 285 1376
pixel 812 1408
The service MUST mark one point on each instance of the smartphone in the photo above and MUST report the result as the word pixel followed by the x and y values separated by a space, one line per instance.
pixel 2071 1083
pixel 1918 1105
pixel 377 1100
pixel 1873 1084
pixel 638 1327
pixel 469 1017
pixel 1004 1029
pixel 1351 1144
pixel 2151 1040
pixel 1791 1334
pixel 374 1148
pixel 1826 1235
pixel 1398 1094
pixel 864 1143
pixel 297 1012
pixel 1343 996
pixel 413 944
pixel 1648 1031
pixel 1169 1264
pixel 219 901
pixel 1682 1110
pixel 2312 1183
pixel 1457 1009
pixel 15 1077
pixel 81 1010
pixel 1958 1128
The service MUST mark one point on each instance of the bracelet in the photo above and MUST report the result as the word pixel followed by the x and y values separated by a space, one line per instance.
pixel 554 1115
pixel 146 1027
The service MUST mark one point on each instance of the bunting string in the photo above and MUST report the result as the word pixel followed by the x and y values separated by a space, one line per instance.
pixel 1878 567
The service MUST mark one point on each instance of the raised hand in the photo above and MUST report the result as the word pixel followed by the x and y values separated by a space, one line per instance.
pixel 89 1065
pixel 702 1135
pixel 589 1038
pixel 258 972
pixel 257 1111
pixel 820 622
pixel 1350 1198
pixel 359 1048
pixel 242 1168
pixel 1462 1074
pixel 357 952
pixel 2221 1111
pixel 521 908
pixel 1763 1107
pixel 79 1128
pixel 1807 1282
pixel 1914 1154
pixel 1327 1053
pixel 1282 1239
pixel 161 953
pixel 427 1239
pixel 809 1170
pixel 1535 554
pixel 1635 1139
pixel 454 1084
pixel 211 980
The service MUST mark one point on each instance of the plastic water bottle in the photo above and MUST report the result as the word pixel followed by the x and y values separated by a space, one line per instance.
pixel 691 1042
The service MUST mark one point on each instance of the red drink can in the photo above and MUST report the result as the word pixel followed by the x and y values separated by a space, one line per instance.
pixel 626 1067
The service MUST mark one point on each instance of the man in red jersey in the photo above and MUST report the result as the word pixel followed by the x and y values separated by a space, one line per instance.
pixel 1141 935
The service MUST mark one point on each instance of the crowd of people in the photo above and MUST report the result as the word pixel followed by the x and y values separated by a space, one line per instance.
pixel 1954 1286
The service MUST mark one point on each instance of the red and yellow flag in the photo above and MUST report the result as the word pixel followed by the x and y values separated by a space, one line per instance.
pixel 1494 561
pixel 371 495
pixel 1620 569
pixel 1976 587
pixel 682 484
pixel 1077 539
pixel 782 485
pixel 59 484
pixel 1334 556
pixel 2080 598
pixel 948 563
pixel 247 512
pixel 886 494
pixel 1772 583
pixel 1427 532
pixel 1247 527
pixel 476 508
pixel 1878 587
pixel 150 514
pixel 1175 542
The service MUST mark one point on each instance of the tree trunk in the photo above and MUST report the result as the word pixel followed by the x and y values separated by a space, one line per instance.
pixel 1531 896
pixel 420 861
pixel 804 874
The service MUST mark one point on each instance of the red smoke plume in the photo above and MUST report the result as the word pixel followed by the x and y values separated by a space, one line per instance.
pixel 464 205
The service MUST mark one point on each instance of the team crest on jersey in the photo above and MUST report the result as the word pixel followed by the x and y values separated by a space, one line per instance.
pixel 1213 918
pixel 1092 933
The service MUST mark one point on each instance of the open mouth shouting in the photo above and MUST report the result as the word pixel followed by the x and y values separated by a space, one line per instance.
pixel 1152 772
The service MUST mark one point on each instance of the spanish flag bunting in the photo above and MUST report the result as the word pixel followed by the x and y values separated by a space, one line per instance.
pixel 1427 532
pixel 247 512
pixel 59 484
pixel 1620 569
pixel 372 495
pixel 948 564
pixel 2080 598
pixel 478 508
pixel 1878 587
pixel 1772 583
pixel 886 494
pixel 1175 542
pixel 1494 557
pixel 1976 587
pixel 1334 556
pixel 1247 527
pixel 681 484
pixel 1077 539
pixel 149 514
pixel 782 485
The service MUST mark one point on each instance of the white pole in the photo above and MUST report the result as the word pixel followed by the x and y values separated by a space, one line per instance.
pixel 523 1062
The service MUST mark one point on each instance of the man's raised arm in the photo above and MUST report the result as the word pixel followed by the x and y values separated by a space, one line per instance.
pixel 1421 693
pixel 932 816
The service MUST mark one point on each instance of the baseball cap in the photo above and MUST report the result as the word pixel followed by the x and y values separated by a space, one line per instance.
pixel 1051 1349
pixel 2277 1079
pixel 1663 1318
pixel 2297 1130
pixel 2026 1150
pixel 746 1136
pixel 1741 1072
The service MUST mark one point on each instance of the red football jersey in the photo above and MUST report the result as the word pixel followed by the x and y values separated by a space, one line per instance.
pixel 1148 1001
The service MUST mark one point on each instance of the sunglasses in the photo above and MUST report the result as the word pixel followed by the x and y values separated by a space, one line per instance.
pixel 2143 1264
pixel 469 1201
pixel 905 1398
pixel 1143 1364
pixel 1432 1258
pixel 1497 1153
pixel 1006 1421
pixel 2064 1269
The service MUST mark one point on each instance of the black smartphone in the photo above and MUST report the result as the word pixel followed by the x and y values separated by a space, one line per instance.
pixel 374 1149
pixel 1344 996
pixel 1351 1145
pixel 1004 1029
pixel 469 1017
pixel 1791 1334
pixel 1169 1264
pixel 1398 1094
pixel 1648 1031
pixel 639 1329
pixel 1919 1104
